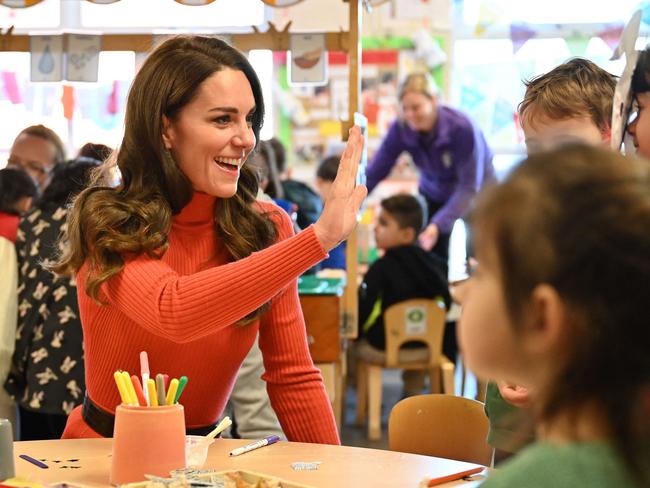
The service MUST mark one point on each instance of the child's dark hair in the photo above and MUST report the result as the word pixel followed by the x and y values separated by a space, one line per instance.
pixel 641 75
pixel 14 185
pixel 407 210
pixel 575 88
pixel 328 168
pixel 577 219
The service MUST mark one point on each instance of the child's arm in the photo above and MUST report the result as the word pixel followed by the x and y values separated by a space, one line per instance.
pixel 516 395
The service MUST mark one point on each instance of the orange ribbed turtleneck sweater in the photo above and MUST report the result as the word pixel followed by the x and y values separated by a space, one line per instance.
pixel 181 310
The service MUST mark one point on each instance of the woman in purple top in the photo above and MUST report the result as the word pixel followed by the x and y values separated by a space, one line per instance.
pixel 449 150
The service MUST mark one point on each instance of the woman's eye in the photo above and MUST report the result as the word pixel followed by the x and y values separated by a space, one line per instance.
pixel 223 119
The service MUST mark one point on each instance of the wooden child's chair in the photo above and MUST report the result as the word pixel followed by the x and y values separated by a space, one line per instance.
pixel 444 426
pixel 421 320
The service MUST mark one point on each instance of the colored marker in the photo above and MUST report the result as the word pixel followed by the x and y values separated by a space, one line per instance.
pixel 455 476
pixel 121 387
pixel 181 386
pixel 171 393
pixel 138 390
pixel 267 441
pixel 35 462
pixel 151 390
pixel 166 378
pixel 144 372
pixel 133 399
pixel 160 389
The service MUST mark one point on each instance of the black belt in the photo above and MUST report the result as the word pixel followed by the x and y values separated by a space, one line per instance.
pixel 103 422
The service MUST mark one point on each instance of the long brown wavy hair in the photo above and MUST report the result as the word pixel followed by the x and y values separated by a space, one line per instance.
pixel 108 224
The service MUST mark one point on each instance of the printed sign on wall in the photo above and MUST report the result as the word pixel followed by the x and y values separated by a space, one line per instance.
pixel 82 57
pixel 46 58
pixel 308 59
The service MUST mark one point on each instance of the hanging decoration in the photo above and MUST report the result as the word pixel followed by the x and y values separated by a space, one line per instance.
pixel 194 3
pixel 577 44
pixel 520 34
pixel 281 3
pixel 68 101
pixel 11 87
pixel 487 17
pixel 19 3
pixel 611 35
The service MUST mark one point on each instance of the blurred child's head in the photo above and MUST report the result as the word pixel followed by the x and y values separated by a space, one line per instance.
pixel 36 150
pixel 570 103
pixel 559 300
pixel 400 220
pixel 17 189
pixel 639 128
pixel 326 174
pixel 263 160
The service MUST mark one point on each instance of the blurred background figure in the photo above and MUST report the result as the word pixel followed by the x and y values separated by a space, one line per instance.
pixel 92 150
pixel 47 373
pixel 37 150
pixel 17 189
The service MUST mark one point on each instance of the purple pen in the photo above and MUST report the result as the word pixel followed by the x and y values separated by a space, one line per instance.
pixel 35 462
pixel 272 439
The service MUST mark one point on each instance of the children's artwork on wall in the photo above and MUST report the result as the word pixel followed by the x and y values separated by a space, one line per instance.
pixel 19 3
pixel 308 59
pixel 82 57
pixel 281 3
pixel 46 58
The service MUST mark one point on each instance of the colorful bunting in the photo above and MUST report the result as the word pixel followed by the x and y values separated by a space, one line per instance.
pixel 577 45
pixel 68 101
pixel 487 17
pixel 470 97
pixel 519 35
pixel 11 87
pixel 611 35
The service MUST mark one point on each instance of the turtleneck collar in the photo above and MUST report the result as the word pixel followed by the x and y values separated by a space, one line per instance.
pixel 197 215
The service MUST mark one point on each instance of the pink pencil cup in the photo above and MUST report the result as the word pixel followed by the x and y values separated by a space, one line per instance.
pixel 147 440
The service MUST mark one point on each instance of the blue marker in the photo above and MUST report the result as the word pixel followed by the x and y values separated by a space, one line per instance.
pixel 272 439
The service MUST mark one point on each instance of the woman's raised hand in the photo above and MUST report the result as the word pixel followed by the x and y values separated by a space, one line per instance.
pixel 345 198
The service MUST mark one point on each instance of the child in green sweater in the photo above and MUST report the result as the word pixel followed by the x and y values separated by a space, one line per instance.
pixel 558 303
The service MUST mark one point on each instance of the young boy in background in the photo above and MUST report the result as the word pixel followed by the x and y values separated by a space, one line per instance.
pixel 405 271
pixel 572 102
pixel 325 175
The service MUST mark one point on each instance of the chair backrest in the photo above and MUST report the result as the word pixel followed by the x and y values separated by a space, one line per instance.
pixel 420 320
pixel 444 426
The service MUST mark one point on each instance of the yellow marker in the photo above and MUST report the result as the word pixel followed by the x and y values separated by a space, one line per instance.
pixel 121 387
pixel 133 399
pixel 171 391
pixel 151 389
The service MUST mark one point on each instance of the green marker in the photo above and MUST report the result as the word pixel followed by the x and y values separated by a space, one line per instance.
pixel 181 386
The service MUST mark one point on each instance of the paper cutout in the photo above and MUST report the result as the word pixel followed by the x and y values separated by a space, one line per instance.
pixel 46 58
pixel 281 3
pixel 428 49
pixel 520 34
pixel 194 3
pixel 11 87
pixel 82 57
pixel 308 59
pixel 611 35
pixel 19 3
pixel 623 92
pixel 577 45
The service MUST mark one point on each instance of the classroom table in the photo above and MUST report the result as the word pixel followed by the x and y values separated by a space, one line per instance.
pixel 87 462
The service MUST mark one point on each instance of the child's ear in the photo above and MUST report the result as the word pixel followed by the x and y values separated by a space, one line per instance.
pixel 606 135
pixel 545 327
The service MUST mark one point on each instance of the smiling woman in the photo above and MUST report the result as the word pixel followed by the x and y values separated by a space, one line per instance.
pixel 180 260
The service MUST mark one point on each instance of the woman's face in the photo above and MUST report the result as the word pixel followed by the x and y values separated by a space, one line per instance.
pixel 640 127
pixel 419 111
pixel 212 135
